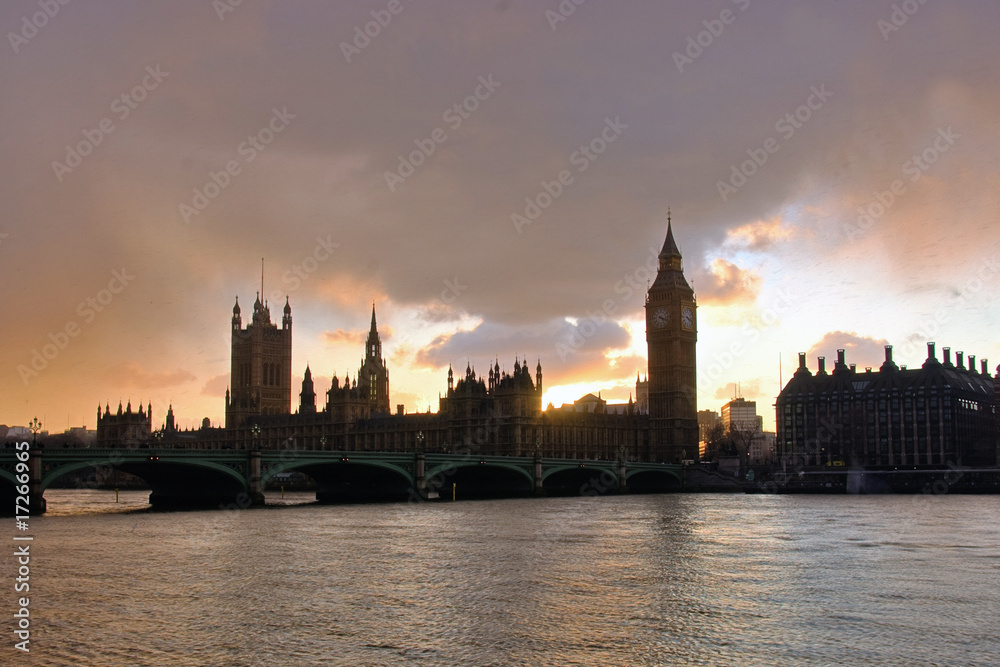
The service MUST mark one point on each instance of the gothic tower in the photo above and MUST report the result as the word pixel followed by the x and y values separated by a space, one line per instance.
pixel 307 398
pixel 671 335
pixel 261 374
pixel 373 377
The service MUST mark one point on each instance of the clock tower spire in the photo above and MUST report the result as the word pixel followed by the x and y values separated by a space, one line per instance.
pixel 671 337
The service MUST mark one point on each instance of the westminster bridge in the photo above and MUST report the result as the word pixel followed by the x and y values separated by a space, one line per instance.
pixel 237 478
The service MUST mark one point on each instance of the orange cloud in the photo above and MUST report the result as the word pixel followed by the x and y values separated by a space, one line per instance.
pixel 759 235
pixel 131 375
pixel 749 390
pixel 728 283
pixel 401 355
pixel 861 350
pixel 216 386
pixel 343 337
pixel 354 338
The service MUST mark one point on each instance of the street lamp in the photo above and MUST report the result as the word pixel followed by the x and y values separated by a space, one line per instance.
pixel 35 427
pixel 420 441
pixel 322 442
pixel 255 433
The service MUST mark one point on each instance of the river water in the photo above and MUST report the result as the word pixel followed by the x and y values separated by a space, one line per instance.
pixel 627 580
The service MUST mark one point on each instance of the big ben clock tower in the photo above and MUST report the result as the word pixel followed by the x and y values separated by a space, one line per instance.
pixel 671 336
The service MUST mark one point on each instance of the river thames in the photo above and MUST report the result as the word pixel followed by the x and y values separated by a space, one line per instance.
pixel 625 580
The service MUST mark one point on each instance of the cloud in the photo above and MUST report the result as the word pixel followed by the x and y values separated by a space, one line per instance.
pixel 131 375
pixel 440 313
pixel 216 386
pixel 760 235
pixel 342 337
pixel 727 284
pixel 861 350
pixel 558 343
pixel 401 355
pixel 749 390
pixel 354 338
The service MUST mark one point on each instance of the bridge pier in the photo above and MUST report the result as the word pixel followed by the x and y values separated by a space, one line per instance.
pixel 36 502
pixel 255 488
pixel 420 474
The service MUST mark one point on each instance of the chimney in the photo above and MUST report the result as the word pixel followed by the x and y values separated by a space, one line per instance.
pixel 960 359
pixel 802 361
pixel 972 363
pixel 947 356
pixel 985 366
pixel 822 366
pixel 840 357
pixel 888 354
pixel 931 356
pixel 854 368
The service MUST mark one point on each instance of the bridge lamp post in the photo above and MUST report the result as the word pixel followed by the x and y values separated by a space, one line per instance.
pixel 35 427
pixel 420 441
pixel 322 442
pixel 255 434
pixel 158 435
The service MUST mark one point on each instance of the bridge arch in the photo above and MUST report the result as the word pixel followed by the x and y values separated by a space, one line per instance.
pixel 297 464
pixel 580 479
pixel 653 480
pixel 143 469
pixel 449 466
pixel 175 482
pixel 349 479
pixel 480 478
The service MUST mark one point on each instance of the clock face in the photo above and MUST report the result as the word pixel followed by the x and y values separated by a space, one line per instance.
pixel 687 317
pixel 660 318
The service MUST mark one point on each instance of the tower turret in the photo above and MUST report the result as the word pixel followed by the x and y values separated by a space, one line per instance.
pixel 373 376
pixel 307 398
pixel 260 380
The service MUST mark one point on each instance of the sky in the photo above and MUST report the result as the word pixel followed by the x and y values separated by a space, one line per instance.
pixel 495 177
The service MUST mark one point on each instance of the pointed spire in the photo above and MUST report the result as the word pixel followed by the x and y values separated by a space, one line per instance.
pixel 373 329
pixel 669 245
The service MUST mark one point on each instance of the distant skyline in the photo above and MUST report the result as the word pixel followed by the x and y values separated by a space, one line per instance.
pixel 495 178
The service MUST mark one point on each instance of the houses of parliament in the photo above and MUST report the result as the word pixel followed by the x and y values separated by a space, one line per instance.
pixel 496 413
